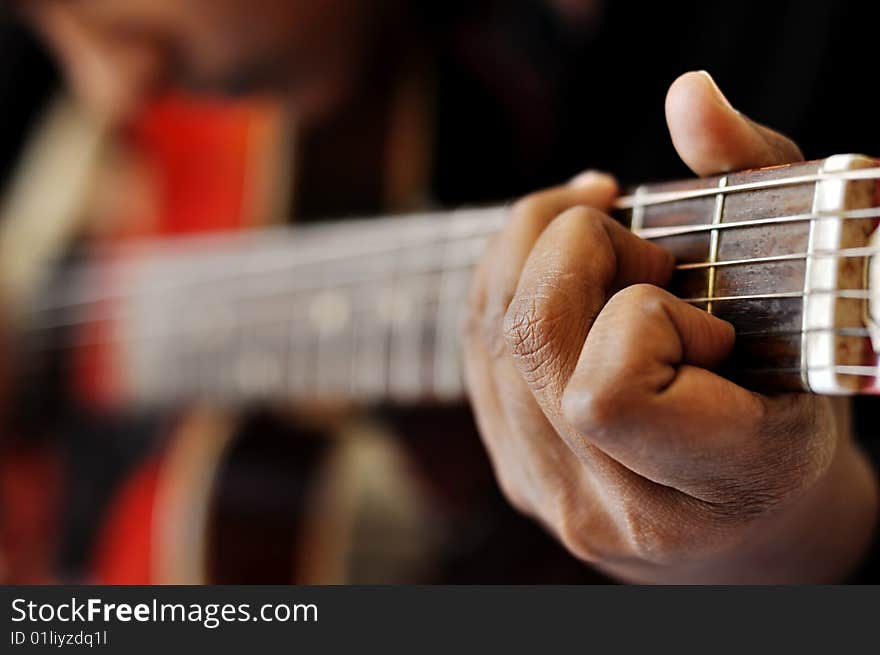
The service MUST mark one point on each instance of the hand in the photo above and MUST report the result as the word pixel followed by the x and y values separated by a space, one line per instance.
pixel 595 396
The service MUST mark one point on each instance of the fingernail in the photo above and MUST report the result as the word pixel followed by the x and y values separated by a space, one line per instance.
pixel 591 178
pixel 718 94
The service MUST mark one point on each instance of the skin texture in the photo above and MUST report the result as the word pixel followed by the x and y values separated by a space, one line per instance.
pixel 594 392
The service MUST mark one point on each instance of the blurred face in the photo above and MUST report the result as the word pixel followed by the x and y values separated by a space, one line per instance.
pixel 117 51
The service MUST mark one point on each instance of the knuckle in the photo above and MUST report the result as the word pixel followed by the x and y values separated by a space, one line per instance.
pixel 578 530
pixel 482 324
pixel 512 493
pixel 647 298
pixel 530 209
pixel 595 407
pixel 532 327
pixel 662 536
pixel 592 224
pixel 792 448
pixel 650 540
pixel 633 530
pixel 492 328
pixel 592 217
pixel 572 534
pixel 468 326
pixel 470 318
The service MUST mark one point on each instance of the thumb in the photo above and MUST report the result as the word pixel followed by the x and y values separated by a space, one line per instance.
pixel 712 137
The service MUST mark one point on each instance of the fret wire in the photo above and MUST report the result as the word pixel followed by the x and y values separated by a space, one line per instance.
pixel 807 285
pixel 684 230
pixel 638 211
pixel 663 197
pixel 717 215
pixel 446 374
pixel 399 306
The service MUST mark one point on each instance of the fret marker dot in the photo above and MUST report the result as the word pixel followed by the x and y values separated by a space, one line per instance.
pixel 329 312
pixel 394 307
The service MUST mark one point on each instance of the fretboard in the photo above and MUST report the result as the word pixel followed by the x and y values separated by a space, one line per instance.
pixel 369 310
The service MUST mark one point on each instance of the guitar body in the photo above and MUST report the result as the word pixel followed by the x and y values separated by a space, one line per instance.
pixel 186 496
pixel 228 497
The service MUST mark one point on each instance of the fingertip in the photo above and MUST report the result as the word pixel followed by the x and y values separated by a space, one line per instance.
pixel 706 339
pixel 664 258
pixel 700 81
pixel 592 177
pixel 719 338
pixel 702 123
pixel 725 329
pixel 712 137
pixel 641 259
pixel 600 185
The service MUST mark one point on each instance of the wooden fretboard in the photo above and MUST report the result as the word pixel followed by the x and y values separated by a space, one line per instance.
pixel 369 310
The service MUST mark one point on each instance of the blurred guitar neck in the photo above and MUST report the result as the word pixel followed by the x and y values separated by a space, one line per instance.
pixel 368 311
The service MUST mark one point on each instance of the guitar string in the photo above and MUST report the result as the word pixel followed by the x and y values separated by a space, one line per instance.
pixel 110 311
pixel 217 262
pixel 842 253
pixel 391 274
pixel 478 219
pixel 394 279
pixel 362 305
pixel 239 265
pixel 90 341
pixel 854 252
pixel 303 388
pixel 856 294
pixel 685 230
pixel 651 198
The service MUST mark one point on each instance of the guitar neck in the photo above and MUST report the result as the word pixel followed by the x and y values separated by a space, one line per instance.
pixel 368 310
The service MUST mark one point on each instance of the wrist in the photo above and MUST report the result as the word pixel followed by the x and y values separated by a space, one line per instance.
pixel 820 537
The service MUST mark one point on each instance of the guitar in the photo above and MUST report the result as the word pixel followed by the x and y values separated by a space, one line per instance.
pixel 367 311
